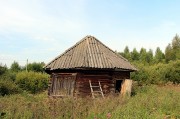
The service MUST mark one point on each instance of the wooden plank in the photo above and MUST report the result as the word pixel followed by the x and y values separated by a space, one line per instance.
pixel 82 83
pixel 90 55
pixel 80 56
pixel 98 55
pixel 126 87
pixel 94 52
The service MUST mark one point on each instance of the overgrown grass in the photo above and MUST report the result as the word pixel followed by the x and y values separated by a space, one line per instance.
pixel 150 102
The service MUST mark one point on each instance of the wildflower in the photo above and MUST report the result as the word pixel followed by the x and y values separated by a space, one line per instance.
pixel 108 115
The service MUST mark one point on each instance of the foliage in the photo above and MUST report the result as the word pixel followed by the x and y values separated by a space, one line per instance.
pixel 172 51
pixel 143 55
pixel 159 68
pixel 141 76
pixel 149 56
pixel 127 53
pixel 3 69
pixel 159 55
pixel 157 74
pixel 135 55
pixel 32 81
pixel 173 72
pixel 169 53
pixel 176 42
pixel 150 102
pixel 15 67
pixel 36 67
pixel 8 87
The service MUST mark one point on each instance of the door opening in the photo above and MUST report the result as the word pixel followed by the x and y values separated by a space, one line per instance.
pixel 118 86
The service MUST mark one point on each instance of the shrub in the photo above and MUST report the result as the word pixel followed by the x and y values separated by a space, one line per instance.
pixel 32 81
pixel 8 87
pixel 173 72
pixel 7 84
pixel 141 77
pixel 157 74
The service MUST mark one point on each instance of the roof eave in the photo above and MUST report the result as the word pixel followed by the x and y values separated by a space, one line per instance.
pixel 92 68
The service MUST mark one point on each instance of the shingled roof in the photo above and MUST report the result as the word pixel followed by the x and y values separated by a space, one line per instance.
pixel 89 53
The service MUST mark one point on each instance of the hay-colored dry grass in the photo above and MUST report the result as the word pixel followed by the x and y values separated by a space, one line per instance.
pixel 149 102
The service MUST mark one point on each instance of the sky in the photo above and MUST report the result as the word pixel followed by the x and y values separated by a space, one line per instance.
pixel 40 30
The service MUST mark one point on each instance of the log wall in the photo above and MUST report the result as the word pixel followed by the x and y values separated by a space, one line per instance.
pixel 121 75
pixel 81 82
pixel 83 87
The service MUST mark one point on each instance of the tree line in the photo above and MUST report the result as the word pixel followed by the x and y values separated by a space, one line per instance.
pixel 171 53
pixel 36 67
pixel 158 68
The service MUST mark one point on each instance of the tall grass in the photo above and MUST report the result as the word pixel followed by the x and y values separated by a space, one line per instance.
pixel 150 102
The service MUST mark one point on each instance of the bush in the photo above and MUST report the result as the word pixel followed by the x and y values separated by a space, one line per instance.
pixel 32 81
pixel 141 76
pixel 173 72
pixel 8 87
pixel 7 84
pixel 157 74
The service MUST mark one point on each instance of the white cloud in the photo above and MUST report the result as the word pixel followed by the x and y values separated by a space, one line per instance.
pixel 13 17
pixel 35 21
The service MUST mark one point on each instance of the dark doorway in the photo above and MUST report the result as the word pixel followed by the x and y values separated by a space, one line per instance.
pixel 118 86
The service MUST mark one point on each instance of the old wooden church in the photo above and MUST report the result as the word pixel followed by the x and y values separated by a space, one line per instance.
pixel 87 67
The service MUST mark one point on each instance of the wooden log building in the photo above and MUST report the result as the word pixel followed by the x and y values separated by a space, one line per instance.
pixel 89 60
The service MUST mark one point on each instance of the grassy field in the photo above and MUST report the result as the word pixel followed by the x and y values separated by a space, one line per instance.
pixel 147 102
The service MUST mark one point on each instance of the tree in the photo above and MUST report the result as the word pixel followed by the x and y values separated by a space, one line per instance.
pixel 176 46
pixel 3 69
pixel 159 55
pixel 143 54
pixel 135 55
pixel 169 55
pixel 149 56
pixel 36 67
pixel 15 67
pixel 127 53
pixel 176 42
pixel 172 51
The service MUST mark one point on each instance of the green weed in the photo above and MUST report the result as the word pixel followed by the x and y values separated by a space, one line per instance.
pixel 149 102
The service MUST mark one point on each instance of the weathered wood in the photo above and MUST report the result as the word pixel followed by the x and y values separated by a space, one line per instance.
pixel 82 82
pixel 89 53
pixel 65 84
pixel 126 87
pixel 62 84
